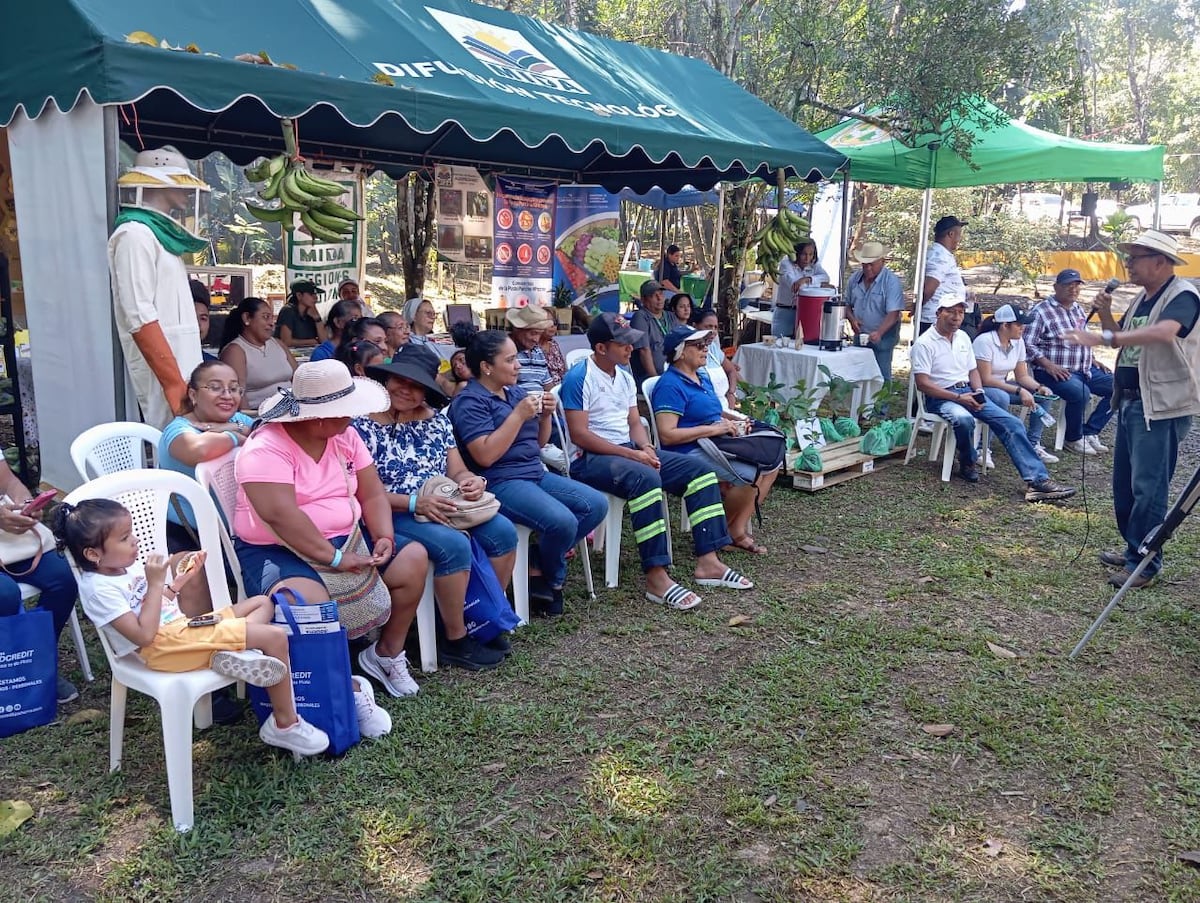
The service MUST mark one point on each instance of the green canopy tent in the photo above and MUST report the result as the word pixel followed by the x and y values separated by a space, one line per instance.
pixel 399 85
pixel 390 84
pixel 1013 152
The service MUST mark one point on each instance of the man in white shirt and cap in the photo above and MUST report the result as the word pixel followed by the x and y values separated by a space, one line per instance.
pixel 152 301
pixel 943 278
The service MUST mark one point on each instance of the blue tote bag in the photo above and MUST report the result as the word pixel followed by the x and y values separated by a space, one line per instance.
pixel 320 680
pixel 486 611
pixel 28 670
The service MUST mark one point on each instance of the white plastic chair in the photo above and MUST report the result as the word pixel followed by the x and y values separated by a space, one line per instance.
pixel 575 355
pixel 521 572
pixel 1060 427
pixel 111 447
pixel 941 440
pixel 610 528
pixel 180 697
pixel 218 477
pixel 29 593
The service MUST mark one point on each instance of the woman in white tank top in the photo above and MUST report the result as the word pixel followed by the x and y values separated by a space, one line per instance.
pixel 261 361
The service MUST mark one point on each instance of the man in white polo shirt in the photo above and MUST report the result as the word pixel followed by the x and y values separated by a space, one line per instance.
pixel 615 455
pixel 943 364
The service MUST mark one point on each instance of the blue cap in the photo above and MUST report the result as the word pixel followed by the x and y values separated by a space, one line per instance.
pixel 1067 276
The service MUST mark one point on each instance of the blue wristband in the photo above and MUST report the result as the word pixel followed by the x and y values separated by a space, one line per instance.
pixel 412 503
pixel 337 558
pixel 237 440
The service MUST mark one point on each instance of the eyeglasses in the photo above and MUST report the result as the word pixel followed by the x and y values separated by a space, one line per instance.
pixel 219 389
pixel 1130 258
pixel 698 343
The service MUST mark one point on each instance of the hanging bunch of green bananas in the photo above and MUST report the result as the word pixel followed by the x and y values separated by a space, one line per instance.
pixel 778 239
pixel 299 192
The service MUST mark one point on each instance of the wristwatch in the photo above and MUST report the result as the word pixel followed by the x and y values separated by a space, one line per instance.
pixel 1108 337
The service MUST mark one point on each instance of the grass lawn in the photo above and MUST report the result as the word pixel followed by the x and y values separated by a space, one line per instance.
pixel 629 753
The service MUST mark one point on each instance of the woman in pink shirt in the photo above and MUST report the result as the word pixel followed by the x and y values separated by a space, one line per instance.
pixel 305 479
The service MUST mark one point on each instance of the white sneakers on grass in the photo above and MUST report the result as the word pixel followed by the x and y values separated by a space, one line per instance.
pixel 372 720
pixel 302 738
pixel 1094 443
pixel 391 672
pixel 1080 447
pixel 1045 456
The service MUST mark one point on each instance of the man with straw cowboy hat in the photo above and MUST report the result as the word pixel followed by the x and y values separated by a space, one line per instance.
pixel 875 299
pixel 1156 390
pixel 152 302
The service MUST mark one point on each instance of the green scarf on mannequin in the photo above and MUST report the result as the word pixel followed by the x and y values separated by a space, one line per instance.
pixel 172 236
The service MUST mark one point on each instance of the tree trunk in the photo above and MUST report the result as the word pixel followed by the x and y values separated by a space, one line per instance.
pixel 700 238
pixel 414 224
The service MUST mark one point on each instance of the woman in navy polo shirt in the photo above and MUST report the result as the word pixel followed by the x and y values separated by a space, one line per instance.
pixel 501 429
pixel 687 408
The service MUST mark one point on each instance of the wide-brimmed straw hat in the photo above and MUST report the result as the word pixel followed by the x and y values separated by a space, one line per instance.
pixel 324 389
pixel 870 252
pixel 164 167
pixel 1159 242
pixel 532 316
pixel 418 364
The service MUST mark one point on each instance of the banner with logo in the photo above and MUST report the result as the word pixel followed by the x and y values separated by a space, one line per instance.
pixel 522 271
pixel 587 242
pixel 464 214
pixel 327 263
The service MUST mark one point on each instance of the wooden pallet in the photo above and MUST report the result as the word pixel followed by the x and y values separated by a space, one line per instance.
pixel 841 461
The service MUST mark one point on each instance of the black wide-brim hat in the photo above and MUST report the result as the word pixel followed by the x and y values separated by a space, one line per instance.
pixel 417 364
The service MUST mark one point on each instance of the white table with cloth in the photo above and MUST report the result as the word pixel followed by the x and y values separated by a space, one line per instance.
pixel 857 365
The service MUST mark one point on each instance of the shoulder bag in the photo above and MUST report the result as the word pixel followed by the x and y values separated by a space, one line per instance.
pixel 467 515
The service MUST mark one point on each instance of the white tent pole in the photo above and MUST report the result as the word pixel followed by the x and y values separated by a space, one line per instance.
pixel 1157 205
pixel 715 279
pixel 919 282
pixel 846 188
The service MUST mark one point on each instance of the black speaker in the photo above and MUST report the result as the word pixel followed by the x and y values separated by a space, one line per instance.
pixel 1119 186
pixel 1087 204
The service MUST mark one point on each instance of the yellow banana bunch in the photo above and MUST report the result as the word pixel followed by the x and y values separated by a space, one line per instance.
pixel 301 193
pixel 778 239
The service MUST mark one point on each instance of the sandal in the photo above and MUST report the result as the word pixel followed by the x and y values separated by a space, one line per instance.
pixel 677 597
pixel 731 579
pixel 745 543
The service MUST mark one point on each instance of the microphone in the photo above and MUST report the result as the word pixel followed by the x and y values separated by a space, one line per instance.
pixel 1109 287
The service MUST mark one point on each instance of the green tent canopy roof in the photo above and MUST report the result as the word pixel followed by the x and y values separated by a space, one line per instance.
pixel 400 85
pixel 1014 152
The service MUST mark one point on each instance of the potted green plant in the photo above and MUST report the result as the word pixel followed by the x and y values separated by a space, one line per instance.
pixel 562 299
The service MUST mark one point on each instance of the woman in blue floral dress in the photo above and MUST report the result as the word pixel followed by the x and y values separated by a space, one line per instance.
pixel 411 442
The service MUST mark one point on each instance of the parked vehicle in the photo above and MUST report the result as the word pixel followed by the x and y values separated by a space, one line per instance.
pixel 1179 213
pixel 1036 205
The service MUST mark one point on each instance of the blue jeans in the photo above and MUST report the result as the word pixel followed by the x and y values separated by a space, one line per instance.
pixel 1007 428
pixel 449 549
pixel 642 487
pixel 559 510
pixel 54 578
pixel 1034 426
pixel 1143 464
pixel 1075 391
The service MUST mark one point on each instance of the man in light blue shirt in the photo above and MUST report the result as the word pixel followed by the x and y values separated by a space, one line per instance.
pixel 875 299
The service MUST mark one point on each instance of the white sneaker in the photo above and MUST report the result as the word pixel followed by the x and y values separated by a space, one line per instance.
pixel 302 738
pixel 372 720
pixel 249 666
pixel 391 672
pixel 1080 447
pixel 984 459
pixel 1094 442
pixel 1044 455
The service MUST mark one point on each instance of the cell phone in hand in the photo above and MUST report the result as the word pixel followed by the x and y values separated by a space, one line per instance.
pixel 207 620
pixel 38 502
pixel 979 396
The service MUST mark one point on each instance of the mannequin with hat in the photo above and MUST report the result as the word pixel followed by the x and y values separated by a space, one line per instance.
pixel 152 302
pixel 1156 391
pixel 876 298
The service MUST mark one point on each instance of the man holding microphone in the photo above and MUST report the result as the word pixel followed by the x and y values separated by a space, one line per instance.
pixel 1157 390
pixel 1068 369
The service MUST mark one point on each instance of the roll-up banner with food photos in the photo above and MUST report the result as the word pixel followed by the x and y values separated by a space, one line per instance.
pixel 464 214
pixel 587 256
pixel 524 242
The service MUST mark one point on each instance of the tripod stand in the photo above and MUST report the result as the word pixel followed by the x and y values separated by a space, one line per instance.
pixel 1150 546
